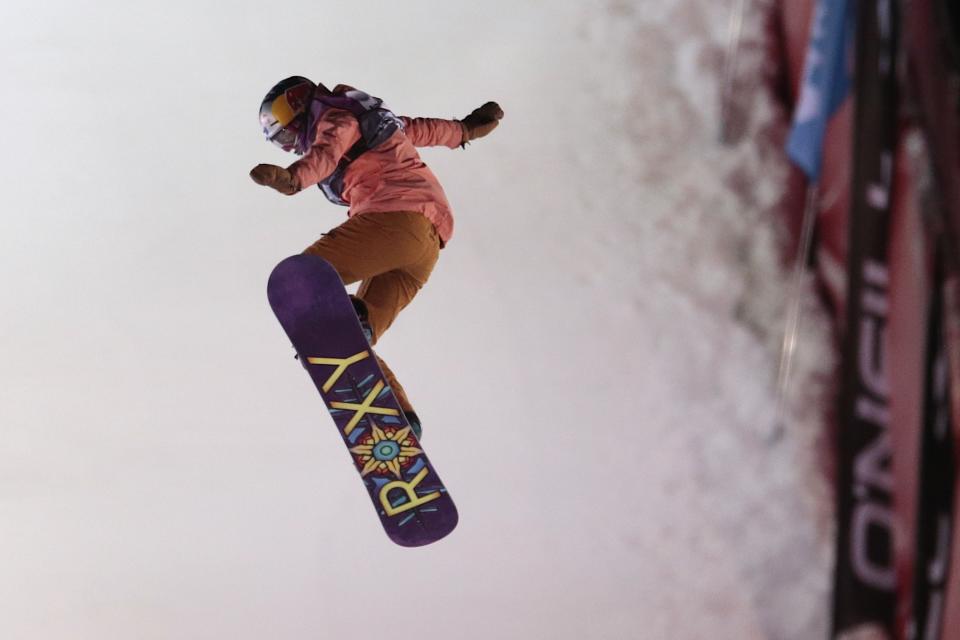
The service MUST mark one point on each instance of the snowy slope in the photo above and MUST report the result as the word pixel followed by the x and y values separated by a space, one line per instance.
pixel 613 291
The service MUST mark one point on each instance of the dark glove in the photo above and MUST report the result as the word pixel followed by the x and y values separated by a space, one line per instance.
pixel 276 178
pixel 481 121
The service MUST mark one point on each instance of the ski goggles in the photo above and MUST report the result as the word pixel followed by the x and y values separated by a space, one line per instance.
pixel 289 137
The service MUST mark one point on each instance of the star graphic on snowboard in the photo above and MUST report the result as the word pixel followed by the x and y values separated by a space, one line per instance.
pixel 386 450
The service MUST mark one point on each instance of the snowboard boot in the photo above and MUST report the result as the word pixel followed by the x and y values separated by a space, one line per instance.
pixel 414 423
pixel 361 309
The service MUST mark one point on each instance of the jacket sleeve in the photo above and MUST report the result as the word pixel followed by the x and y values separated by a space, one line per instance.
pixel 336 131
pixel 433 132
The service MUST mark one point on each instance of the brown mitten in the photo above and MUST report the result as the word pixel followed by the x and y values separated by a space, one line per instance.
pixel 481 121
pixel 276 178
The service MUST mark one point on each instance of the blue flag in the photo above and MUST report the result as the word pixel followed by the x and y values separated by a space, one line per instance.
pixel 827 72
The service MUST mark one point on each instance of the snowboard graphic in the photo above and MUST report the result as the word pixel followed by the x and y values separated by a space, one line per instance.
pixel 310 301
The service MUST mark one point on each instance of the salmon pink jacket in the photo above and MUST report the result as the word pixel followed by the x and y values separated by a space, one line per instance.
pixel 389 177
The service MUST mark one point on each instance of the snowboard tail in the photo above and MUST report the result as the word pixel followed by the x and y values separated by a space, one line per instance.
pixel 312 305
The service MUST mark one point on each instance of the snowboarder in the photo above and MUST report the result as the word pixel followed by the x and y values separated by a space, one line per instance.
pixel 363 156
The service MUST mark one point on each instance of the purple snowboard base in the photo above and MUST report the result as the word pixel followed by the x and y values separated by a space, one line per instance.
pixel 312 305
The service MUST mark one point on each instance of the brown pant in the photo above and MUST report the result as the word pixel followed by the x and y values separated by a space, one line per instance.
pixel 392 254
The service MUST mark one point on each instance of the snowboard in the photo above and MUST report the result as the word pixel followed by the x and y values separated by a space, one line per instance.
pixel 311 303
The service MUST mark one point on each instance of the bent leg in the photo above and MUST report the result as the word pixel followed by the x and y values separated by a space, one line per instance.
pixel 384 297
pixel 393 255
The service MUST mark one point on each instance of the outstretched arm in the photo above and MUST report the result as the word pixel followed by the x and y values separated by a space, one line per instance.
pixel 433 132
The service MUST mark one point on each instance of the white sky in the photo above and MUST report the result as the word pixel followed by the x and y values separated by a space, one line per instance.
pixel 589 393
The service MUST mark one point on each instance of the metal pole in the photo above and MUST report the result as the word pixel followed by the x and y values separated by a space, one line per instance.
pixel 794 302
